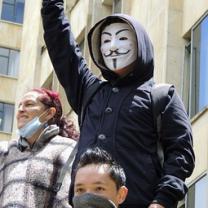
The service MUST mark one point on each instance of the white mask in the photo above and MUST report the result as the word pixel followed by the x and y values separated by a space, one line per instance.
pixel 118 46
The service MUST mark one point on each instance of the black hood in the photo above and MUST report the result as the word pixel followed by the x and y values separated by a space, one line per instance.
pixel 145 62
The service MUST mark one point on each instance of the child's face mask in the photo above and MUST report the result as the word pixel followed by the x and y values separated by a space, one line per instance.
pixel 90 200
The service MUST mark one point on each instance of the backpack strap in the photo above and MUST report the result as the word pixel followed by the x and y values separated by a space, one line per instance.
pixel 63 171
pixel 159 95
pixel 90 92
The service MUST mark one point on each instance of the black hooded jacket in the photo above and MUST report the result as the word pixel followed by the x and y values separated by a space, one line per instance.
pixel 119 117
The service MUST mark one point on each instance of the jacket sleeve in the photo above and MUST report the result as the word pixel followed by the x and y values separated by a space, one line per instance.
pixel 69 65
pixel 176 139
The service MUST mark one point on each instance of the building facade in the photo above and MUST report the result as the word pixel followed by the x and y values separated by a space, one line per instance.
pixel 11 18
pixel 177 28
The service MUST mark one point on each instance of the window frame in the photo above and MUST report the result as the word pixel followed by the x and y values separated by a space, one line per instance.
pixel 193 100
pixel 1 114
pixel 9 57
pixel 2 129
pixel 193 183
pixel 186 77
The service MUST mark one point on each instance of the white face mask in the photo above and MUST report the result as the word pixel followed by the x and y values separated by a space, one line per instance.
pixel 118 46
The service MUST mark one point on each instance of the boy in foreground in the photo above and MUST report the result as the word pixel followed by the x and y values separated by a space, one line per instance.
pixel 98 174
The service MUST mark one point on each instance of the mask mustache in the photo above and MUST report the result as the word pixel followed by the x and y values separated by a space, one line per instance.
pixel 116 52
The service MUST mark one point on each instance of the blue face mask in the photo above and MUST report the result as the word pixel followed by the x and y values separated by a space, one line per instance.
pixel 30 128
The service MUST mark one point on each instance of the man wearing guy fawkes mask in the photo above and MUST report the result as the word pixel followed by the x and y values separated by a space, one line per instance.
pixel 119 116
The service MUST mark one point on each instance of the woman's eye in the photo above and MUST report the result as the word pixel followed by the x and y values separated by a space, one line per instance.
pixel 29 104
pixel 123 38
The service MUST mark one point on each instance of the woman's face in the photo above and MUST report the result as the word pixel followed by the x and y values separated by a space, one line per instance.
pixel 28 108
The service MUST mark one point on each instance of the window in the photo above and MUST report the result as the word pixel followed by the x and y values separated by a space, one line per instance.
pixel 9 62
pixel 197 194
pixel 13 10
pixel 199 64
pixel 196 73
pixel 6 117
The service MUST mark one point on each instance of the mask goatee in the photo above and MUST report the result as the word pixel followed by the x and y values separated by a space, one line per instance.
pixel 114 63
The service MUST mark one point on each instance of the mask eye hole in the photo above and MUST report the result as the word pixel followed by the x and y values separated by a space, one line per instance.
pixel 106 41
pixel 123 38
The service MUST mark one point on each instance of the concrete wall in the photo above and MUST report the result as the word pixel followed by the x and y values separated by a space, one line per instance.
pixel 5 136
pixel 30 50
pixel 10 37
pixel 8 89
pixel 30 47
pixel 175 45
pixel 78 19
pixel 163 23
pixel 153 15
pixel 193 11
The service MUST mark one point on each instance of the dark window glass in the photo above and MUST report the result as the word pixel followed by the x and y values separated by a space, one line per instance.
pixel 8 12
pixel 199 68
pixel 9 62
pixel 3 65
pixel 197 194
pixel 4 52
pixel 13 10
pixel 13 63
pixel 19 11
pixel 4 60
pixel 203 76
pixel 6 117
